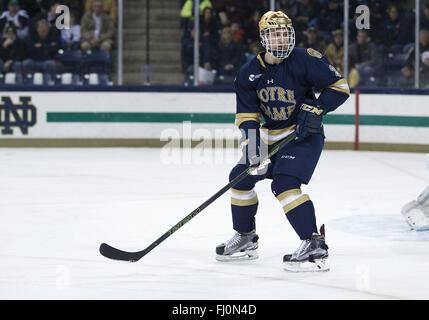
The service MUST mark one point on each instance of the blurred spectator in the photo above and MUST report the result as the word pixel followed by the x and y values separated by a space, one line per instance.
pixel 77 6
pixel 187 52
pixel 70 38
pixel 261 6
pixel 109 8
pixel 331 16
pixel 365 61
pixel 377 11
pixel 51 16
pixel 209 37
pixel 424 19
pixel 290 7
pixel 408 70
pixel 230 56
pixel 187 11
pixel 251 27
pixel 335 50
pixel 424 72
pixel 207 52
pixel 396 29
pixel 35 7
pixel 306 11
pixel 306 14
pixel 42 48
pixel 313 40
pixel 15 16
pixel 12 52
pixel 230 11
pixel 186 14
pixel 254 49
pixel 424 46
pixel 209 25
pixel 407 78
pixel 352 25
pixel 205 4
pixel 237 32
pixel 97 29
pixel 403 5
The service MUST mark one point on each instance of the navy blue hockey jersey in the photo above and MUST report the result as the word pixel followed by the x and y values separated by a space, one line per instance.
pixel 275 92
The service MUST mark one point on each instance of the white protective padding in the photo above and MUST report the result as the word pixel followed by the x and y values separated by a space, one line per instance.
pixel 423 198
pixel 416 212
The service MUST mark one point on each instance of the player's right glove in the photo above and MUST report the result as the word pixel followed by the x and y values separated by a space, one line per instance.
pixel 253 150
pixel 309 121
pixel 249 145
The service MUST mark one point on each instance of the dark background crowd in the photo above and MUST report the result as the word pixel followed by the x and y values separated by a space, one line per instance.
pixel 382 55
pixel 33 42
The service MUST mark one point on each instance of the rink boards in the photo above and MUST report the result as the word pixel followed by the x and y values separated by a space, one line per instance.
pixel 387 121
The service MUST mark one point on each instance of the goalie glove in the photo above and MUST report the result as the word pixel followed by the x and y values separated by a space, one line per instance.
pixel 309 121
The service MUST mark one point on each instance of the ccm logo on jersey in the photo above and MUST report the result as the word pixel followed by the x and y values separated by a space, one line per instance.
pixel 311 109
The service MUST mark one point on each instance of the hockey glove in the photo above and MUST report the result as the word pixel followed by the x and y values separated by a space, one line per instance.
pixel 309 121
pixel 249 144
pixel 253 150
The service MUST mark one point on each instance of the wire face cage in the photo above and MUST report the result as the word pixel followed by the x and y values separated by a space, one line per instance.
pixel 279 41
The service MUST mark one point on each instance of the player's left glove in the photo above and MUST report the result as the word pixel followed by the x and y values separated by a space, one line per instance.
pixel 309 121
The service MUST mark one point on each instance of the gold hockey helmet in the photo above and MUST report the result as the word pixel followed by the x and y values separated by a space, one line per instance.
pixel 277 34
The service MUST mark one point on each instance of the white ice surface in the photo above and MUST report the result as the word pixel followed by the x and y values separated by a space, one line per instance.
pixel 58 205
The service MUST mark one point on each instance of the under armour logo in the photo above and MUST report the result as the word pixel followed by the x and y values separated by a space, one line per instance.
pixel 270 81
pixel 21 115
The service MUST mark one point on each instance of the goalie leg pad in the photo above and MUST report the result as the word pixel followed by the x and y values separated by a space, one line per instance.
pixel 416 215
pixel 423 198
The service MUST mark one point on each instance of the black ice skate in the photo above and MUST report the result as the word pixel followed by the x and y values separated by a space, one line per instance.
pixel 311 255
pixel 242 246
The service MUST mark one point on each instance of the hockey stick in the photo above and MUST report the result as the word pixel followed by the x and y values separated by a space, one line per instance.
pixel 116 254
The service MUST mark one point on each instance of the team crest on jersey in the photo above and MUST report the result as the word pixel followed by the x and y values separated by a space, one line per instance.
pixel 12 115
pixel 314 53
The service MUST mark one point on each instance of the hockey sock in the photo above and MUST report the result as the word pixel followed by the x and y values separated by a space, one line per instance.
pixel 244 205
pixel 298 207
pixel 244 201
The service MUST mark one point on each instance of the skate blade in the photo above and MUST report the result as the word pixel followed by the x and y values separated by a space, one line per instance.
pixel 239 256
pixel 319 265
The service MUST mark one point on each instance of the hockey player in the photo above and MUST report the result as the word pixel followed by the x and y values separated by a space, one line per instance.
pixel 416 212
pixel 278 85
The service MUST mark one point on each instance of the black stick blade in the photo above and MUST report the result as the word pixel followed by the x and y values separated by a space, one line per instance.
pixel 116 254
